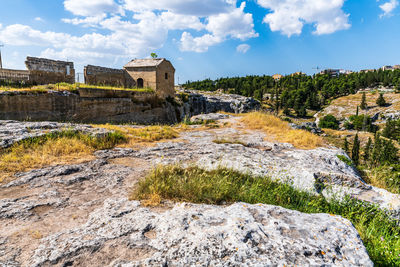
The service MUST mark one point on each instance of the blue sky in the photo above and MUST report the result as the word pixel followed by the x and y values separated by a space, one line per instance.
pixel 208 38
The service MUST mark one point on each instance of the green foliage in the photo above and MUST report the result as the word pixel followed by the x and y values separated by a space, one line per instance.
pixel 330 122
pixel 154 55
pixel 380 233
pixel 355 152
pixel 381 101
pixel 296 91
pixel 392 130
pixel 361 123
pixel 367 150
pixel 384 152
pixel 346 145
pixel 345 160
pixel 363 104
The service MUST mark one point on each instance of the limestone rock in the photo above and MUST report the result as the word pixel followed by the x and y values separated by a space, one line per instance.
pixel 202 235
pixel 208 117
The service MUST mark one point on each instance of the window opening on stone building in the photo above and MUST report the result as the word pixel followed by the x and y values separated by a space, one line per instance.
pixel 140 83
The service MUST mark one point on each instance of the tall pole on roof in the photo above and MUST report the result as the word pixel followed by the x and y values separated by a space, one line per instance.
pixel 1 63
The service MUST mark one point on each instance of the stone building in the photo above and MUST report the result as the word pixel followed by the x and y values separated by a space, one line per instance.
pixel 157 74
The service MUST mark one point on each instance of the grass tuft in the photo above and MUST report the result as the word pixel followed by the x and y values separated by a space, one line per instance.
pixel 378 230
pixel 53 148
pixel 281 131
pixel 146 134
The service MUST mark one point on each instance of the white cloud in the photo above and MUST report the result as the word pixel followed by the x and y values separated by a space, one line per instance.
pixel 243 48
pixel 87 21
pixel 201 8
pixel 39 19
pixel 388 7
pixel 235 24
pixel 92 8
pixel 289 16
pixel 143 31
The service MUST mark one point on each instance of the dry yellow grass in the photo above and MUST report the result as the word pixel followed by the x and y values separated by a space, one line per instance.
pixel 280 130
pixel 60 151
pixel 143 135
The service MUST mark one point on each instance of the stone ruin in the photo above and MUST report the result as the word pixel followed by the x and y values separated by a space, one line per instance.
pixel 96 75
pixel 40 71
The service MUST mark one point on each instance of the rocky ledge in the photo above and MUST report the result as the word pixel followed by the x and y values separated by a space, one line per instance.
pixel 79 214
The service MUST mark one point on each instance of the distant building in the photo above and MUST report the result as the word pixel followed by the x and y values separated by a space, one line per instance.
pixel 387 68
pixel 277 77
pixel 297 73
pixel 331 72
pixel 367 70
pixel 396 67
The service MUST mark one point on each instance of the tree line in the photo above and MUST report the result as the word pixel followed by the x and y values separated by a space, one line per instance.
pixel 300 91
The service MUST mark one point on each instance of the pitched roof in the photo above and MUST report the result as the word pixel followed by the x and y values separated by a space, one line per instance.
pixel 150 62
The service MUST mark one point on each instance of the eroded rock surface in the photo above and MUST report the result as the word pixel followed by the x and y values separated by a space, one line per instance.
pixel 14 131
pixel 79 214
pixel 201 235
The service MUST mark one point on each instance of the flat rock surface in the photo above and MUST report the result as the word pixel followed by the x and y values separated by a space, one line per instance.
pixel 79 214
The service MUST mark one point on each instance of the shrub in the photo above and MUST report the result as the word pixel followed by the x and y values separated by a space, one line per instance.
pixel 381 101
pixel 330 122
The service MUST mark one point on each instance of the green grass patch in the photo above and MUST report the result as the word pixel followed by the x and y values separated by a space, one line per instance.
pixel 380 233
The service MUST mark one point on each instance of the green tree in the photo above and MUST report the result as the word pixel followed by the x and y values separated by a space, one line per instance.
pixel 346 145
pixel 381 101
pixel 355 152
pixel 363 104
pixel 154 55
pixel 367 150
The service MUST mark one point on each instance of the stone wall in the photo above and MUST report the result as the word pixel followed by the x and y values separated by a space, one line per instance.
pixel 165 80
pixel 97 75
pixel 14 76
pixel 65 106
pixel 45 71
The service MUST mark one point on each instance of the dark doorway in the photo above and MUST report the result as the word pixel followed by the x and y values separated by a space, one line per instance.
pixel 140 83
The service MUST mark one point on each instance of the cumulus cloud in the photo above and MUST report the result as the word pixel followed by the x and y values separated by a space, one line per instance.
pixel 388 7
pixel 234 24
pixel 243 48
pixel 289 16
pixel 201 8
pixel 145 28
pixel 91 8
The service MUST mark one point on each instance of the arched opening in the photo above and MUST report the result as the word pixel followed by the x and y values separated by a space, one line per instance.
pixel 140 83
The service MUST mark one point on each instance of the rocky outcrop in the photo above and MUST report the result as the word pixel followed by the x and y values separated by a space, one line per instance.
pixel 14 131
pixel 207 102
pixel 79 214
pixel 189 235
pixel 102 106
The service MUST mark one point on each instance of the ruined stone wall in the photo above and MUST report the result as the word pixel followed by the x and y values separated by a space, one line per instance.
pixel 65 106
pixel 97 75
pixel 14 76
pixel 45 71
pixel 165 80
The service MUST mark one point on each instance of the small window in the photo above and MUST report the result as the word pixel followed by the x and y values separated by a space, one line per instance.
pixel 166 76
pixel 68 70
